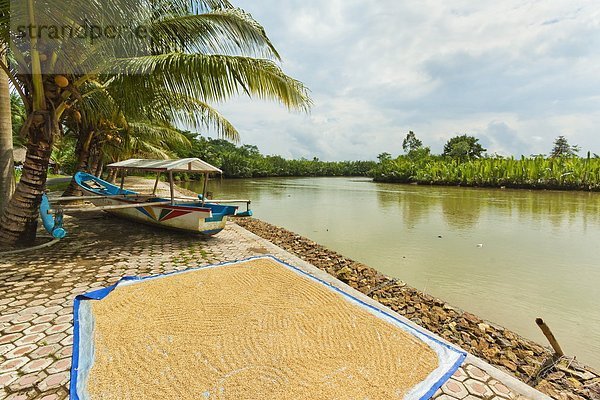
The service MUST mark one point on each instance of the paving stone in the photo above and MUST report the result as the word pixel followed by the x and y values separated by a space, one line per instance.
pixel 50 310
pixel 57 337
pixel 66 351
pixel 54 381
pixel 444 397
pixel 28 339
pixel 499 388
pixel 58 328
pixel 53 396
pixel 476 373
pixel 38 328
pixel 24 318
pixel 7 378
pixel 5 348
pixel 13 364
pixel 36 365
pixel 21 351
pixel 44 351
pixel 59 366
pixel 27 381
pixel 478 388
pixel 10 338
pixel 455 389
pixel 16 328
pixel 43 318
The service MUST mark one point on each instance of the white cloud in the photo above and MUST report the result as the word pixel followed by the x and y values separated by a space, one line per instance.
pixel 515 73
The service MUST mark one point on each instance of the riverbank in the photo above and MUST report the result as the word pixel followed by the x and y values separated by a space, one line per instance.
pixel 531 362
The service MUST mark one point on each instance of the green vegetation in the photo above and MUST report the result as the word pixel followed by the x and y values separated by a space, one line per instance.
pixel 463 147
pixel 468 167
pixel 247 162
pixel 105 100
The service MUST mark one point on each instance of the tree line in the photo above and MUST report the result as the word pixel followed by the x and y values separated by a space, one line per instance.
pixel 246 161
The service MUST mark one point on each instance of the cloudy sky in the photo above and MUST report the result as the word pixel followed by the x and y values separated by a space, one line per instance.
pixel 514 73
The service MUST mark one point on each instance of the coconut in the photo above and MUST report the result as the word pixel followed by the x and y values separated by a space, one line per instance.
pixel 61 81
pixel 77 116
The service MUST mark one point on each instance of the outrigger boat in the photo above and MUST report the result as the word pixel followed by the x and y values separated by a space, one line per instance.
pixel 182 213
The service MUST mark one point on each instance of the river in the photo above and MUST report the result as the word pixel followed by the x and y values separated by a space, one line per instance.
pixel 508 256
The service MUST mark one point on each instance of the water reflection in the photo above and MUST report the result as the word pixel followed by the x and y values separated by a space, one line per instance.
pixel 463 207
pixel 538 256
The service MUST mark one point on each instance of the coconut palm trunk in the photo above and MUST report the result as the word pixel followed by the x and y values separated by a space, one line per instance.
pixel 7 170
pixel 19 221
pixel 82 149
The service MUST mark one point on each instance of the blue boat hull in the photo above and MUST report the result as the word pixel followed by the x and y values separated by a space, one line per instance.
pixel 207 219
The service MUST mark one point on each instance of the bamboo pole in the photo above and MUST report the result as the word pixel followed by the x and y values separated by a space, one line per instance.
pixel 113 207
pixel 550 336
pixel 156 183
pixel 71 198
pixel 171 186
pixel 230 201
pixel 204 189
pixel 123 178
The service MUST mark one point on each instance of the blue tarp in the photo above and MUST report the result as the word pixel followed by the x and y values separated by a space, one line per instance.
pixel 450 358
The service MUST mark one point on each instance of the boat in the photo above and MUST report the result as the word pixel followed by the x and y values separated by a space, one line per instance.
pixel 198 215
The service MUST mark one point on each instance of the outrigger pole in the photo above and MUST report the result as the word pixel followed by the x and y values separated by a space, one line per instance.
pixel 114 207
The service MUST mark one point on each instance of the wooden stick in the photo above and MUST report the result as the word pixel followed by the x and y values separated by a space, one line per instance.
pixel 229 201
pixel 115 207
pixel 123 178
pixel 156 183
pixel 171 184
pixel 550 336
pixel 116 196
pixel 204 186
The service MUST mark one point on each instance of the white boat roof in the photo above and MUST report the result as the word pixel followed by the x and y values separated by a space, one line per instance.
pixel 181 165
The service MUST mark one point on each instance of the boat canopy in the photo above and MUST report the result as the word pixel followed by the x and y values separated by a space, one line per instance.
pixel 193 165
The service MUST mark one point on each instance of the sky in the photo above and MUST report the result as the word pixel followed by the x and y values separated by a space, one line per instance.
pixel 513 73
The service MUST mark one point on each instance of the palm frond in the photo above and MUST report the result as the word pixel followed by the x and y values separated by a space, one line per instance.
pixel 212 77
pixel 225 31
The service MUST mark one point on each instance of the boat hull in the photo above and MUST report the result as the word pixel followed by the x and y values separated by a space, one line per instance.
pixel 193 217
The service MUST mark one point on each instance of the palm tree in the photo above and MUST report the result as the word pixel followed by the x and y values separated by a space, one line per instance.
pixel 18 115
pixel 202 49
pixel 7 171
pixel 98 119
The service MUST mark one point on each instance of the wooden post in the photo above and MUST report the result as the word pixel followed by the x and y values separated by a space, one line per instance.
pixel 172 188
pixel 123 179
pixel 156 183
pixel 204 188
pixel 550 336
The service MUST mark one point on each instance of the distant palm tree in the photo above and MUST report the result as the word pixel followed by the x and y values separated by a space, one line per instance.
pixel 202 49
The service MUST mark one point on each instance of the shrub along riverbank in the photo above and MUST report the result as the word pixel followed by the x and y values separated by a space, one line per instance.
pixel 531 173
